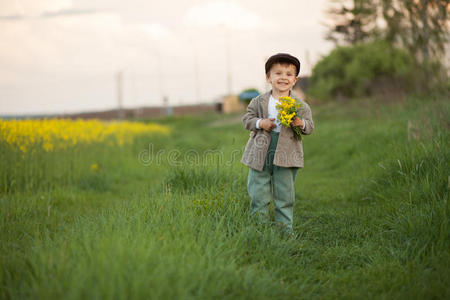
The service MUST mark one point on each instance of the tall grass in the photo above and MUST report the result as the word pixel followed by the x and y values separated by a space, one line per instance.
pixel 371 215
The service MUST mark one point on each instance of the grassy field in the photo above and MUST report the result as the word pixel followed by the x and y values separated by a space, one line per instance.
pixel 167 217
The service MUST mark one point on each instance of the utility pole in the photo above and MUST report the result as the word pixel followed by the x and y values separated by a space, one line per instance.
pixel 137 111
pixel 197 75
pixel 164 97
pixel 119 83
pixel 160 76
pixel 228 58
pixel 308 64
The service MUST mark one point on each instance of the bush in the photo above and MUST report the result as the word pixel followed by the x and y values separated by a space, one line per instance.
pixel 351 71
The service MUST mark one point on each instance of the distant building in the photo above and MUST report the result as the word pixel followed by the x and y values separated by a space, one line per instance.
pixel 129 113
pixel 231 104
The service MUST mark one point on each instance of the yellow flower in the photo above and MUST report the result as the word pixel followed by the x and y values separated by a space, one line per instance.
pixel 55 134
pixel 287 110
pixel 95 168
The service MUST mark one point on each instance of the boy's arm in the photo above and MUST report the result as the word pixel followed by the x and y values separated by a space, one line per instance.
pixel 307 119
pixel 251 117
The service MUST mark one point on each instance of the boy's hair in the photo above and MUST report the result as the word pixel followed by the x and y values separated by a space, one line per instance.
pixel 282 58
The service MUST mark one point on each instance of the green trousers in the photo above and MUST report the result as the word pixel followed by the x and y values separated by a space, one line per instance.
pixel 273 182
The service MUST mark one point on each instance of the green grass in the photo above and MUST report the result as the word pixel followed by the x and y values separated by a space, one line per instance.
pixel 371 213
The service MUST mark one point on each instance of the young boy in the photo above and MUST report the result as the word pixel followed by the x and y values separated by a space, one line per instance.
pixel 273 152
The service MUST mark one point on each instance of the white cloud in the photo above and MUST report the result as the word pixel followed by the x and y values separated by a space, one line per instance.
pixel 33 7
pixel 221 13
pixel 152 30
pixel 64 44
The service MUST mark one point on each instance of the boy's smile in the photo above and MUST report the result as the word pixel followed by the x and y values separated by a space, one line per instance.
pixel 282 78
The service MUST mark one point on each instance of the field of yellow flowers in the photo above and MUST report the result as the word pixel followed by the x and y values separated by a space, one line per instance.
pixel 35 149
pixel 56 134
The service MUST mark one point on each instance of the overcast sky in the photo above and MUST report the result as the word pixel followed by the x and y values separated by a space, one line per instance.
pixel 64 55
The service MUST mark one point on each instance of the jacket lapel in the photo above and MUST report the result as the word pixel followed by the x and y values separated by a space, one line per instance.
pixel 294 95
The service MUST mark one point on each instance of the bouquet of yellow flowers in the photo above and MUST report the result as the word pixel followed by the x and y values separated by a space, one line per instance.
pixel 288 109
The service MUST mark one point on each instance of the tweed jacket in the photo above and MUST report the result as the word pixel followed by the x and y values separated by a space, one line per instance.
pixel 289 152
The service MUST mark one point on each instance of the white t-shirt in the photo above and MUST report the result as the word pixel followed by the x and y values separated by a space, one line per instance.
pixel 273 112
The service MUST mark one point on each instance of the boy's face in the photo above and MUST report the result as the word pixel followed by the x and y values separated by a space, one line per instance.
pixel 282 77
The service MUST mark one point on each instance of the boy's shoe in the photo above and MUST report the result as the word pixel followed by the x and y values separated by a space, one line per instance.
pixel 290 234
pixel 286 231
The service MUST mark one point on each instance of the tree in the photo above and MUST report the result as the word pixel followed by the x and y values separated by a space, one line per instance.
pixel 421 26
pixel 352 21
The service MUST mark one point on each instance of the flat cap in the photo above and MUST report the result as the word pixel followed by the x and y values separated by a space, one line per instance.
pixel 282 58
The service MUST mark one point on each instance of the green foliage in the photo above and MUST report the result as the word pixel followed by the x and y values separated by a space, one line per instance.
pixel 353 70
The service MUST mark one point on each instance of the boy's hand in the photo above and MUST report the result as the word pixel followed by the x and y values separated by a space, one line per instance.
pixel 298 122
pixel 267 124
